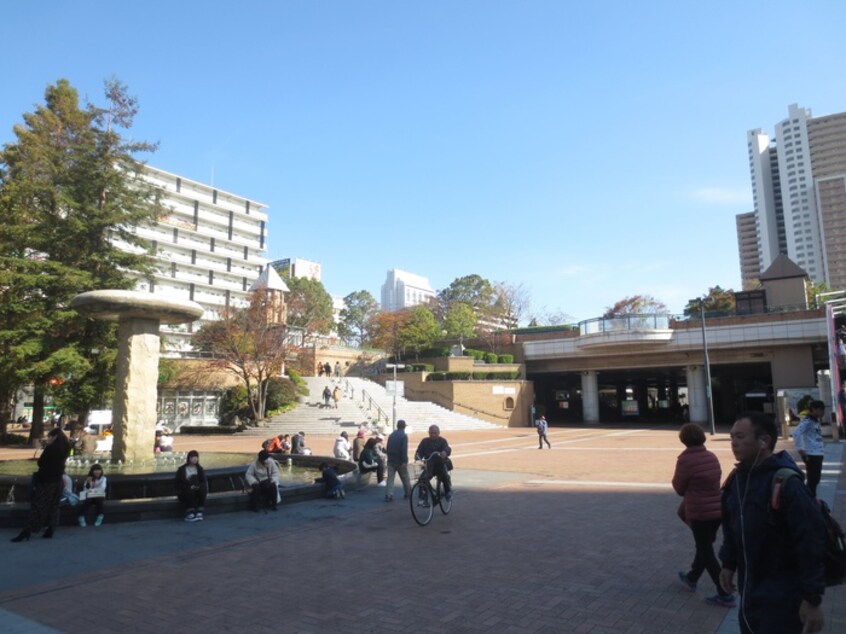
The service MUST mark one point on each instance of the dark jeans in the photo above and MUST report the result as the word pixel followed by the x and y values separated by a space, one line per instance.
pixel 436 466
pixel 543 439
pixel 704 534
pixel 379 469
pixel 193 500
pixel 263 493
pixel 813 469
pixel 97 503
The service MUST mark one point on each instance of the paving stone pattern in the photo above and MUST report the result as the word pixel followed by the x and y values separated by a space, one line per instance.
pixel 524 550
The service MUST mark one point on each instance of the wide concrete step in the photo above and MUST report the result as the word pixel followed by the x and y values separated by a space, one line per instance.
pixel 361 401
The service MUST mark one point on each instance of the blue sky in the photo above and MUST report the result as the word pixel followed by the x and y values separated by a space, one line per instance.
pixel 588 152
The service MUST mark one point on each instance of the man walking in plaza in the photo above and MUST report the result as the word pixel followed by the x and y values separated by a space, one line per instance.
pixel 397 451
pixel 543 427
pixel 808 441
pixel 777 552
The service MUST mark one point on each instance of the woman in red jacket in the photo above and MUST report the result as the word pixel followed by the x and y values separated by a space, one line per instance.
pixel 697 480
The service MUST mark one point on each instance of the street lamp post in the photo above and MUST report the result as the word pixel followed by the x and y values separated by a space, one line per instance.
pixel 708 394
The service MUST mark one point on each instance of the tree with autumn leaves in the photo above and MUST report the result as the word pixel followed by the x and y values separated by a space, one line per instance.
pixel 246 343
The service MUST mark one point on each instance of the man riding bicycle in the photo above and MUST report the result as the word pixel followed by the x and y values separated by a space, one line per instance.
pixel 435 450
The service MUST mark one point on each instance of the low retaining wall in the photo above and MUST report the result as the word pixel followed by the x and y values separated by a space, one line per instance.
pixel 168 507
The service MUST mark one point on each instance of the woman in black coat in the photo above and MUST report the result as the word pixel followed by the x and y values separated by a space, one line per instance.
pixel 192 487
pixel 47 487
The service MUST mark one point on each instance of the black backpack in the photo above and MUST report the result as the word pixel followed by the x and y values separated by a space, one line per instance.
pixel 835 540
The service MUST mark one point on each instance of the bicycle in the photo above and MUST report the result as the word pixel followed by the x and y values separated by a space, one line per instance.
pixel 424 496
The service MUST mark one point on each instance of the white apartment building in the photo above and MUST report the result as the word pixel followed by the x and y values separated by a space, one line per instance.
pixel 404 290
pixel 799 189
pixel 297 267
pixel 208 247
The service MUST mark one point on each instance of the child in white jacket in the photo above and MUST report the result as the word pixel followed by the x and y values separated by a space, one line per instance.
pixel 93 494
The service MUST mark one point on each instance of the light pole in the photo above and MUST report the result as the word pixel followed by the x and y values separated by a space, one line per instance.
pixel 708 395
pixel 394 390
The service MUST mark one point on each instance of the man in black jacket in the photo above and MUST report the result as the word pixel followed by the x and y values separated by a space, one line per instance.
pixel 778 553
pixel 436 450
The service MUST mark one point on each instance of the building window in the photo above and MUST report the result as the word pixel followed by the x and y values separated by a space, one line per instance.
pixel 211 277
pixel 509 404
pixel 175 235
pixel 226 295
pixel 214 196
pixel 211 245
pixel 261 236
pixel 196 213
pixel 191 291
pixel 246 253
pixel 247 207
pixel 193 256
pixel 173 269
pixel 244 283
pixel 228 265
pixel 231 219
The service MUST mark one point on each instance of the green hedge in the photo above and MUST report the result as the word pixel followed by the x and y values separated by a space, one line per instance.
pixel 435 351
pixel 422 367
pixel 491 357
pixel 479 376
pixel 207 429
pixel 479 355
pixel 506 358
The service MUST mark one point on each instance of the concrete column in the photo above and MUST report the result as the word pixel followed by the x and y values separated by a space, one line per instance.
pixel 134 407
pixel 590 397
pixel 696 398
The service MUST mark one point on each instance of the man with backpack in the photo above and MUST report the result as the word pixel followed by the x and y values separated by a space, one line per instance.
pixel 778 553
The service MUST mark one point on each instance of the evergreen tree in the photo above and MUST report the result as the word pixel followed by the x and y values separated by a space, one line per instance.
pixel 70 192
pixel 359 310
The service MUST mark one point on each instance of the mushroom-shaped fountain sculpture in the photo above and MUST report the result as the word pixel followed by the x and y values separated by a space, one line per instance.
pixel 139 316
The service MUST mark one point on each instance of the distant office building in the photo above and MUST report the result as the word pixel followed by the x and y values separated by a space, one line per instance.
pixel 297 267
pixel 404 290
pixel 799 189
pixel 208 247
pixel 747 246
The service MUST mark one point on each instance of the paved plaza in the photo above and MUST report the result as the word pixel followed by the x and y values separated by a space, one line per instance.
pixel 580 538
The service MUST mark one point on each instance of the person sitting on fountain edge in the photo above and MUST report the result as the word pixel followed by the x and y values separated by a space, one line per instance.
pixel 192 487
pixel 436 451
pixel 263 478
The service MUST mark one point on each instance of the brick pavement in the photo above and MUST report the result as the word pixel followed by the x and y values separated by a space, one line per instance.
pixel 538 541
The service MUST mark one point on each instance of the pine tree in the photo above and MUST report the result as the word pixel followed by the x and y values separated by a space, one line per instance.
pixel 70 192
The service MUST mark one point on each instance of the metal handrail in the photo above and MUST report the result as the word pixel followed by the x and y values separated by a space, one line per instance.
pixel 365 397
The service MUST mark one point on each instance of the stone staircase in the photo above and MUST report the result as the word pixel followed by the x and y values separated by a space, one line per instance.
pixel 361 402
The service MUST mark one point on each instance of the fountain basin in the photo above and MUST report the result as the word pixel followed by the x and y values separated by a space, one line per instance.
pixel 145 496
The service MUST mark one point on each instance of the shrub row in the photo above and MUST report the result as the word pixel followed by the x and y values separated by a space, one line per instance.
pixel 479 376
pixel 207 429
pixel 422 367
pixel 488 357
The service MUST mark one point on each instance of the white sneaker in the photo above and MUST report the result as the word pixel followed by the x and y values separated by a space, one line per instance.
pixel 190 517
pixel 82 522
pixel 199 517
pixel 382 484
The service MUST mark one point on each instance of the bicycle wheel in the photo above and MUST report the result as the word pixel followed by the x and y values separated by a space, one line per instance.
pixel 422 509
pixel 445 504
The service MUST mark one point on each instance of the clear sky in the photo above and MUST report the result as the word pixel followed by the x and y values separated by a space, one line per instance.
pixel 588 150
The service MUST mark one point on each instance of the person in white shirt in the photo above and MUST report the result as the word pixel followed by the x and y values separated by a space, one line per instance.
pixel 342 447
pixel 263 478
pixel 94 491
pixel 808 441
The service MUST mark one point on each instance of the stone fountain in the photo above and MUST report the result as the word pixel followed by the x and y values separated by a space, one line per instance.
pixel 139 316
